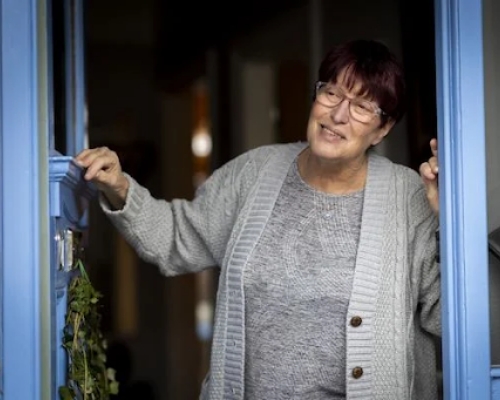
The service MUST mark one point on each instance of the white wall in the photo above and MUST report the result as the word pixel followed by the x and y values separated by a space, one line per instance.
pixel 258 108
pixel 255 59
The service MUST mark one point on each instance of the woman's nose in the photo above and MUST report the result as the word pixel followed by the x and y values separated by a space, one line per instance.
pixel 340 114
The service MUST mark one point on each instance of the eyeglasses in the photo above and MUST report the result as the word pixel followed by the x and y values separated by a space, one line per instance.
pixel 331 96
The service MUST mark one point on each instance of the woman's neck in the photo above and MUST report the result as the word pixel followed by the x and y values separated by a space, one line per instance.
pixel 333 177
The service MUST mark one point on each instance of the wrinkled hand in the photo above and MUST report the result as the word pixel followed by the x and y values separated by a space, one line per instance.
pixel 103 168
pixel 429 172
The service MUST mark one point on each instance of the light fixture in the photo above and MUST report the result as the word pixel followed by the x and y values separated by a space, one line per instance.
pixel 201 143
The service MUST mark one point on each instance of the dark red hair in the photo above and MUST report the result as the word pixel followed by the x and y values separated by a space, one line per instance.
pixel 373 65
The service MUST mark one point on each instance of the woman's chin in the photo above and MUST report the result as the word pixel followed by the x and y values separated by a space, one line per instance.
pixel 328 150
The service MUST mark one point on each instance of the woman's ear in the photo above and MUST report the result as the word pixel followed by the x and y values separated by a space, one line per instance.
pixel 383 131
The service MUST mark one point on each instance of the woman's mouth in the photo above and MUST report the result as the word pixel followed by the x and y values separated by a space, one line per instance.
pixel 330 134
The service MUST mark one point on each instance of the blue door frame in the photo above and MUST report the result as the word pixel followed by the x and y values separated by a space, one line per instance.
pixel 24 202
pixel 461 134
pixel 24 199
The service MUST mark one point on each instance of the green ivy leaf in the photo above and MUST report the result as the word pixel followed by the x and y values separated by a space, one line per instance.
pixel 65 393
pixel 113 388
pixel 84 344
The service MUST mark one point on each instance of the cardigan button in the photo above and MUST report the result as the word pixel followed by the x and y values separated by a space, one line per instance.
pixel 356 321
pixel 357 372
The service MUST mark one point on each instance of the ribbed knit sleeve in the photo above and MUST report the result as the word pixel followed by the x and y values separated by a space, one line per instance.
pixel 423 225
pixel 182 236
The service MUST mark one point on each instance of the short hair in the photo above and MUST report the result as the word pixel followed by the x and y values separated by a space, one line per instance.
pixel 377 69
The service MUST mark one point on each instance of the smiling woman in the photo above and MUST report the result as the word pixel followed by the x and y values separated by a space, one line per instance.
pixel 358 252
pixel 359 98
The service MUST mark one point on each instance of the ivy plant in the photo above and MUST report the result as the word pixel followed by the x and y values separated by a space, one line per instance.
pixel 88 377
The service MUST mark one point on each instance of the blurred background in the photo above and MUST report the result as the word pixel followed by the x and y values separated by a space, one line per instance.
pixel 178 88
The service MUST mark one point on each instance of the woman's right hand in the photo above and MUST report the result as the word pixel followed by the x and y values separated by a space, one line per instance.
pixel 104 170
pixel 429 171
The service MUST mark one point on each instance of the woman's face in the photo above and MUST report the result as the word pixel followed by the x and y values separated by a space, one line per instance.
pixel 332 133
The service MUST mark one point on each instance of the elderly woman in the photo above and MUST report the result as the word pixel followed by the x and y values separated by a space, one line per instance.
pixel 329 286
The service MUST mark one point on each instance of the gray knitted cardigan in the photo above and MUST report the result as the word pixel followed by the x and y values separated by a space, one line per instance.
pixel 396 283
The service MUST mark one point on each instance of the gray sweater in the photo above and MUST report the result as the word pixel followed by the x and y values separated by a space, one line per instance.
pixel 394 305
pixel 297 287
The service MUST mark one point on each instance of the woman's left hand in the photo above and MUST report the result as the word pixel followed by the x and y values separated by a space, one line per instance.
pixel 429 172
